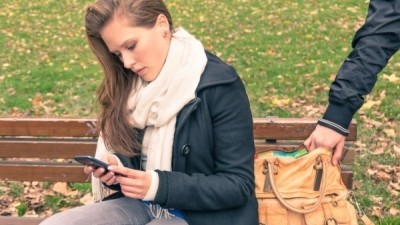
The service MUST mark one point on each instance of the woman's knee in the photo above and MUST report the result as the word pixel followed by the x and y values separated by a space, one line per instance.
pixel 118 212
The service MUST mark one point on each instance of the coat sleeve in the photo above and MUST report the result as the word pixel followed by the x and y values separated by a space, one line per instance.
pixel 231 183
pixel 373 45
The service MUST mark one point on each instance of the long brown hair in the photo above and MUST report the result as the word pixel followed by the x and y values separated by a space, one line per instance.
pixel 118 81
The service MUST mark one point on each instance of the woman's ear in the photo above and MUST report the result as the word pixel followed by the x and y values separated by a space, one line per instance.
pixel 163 25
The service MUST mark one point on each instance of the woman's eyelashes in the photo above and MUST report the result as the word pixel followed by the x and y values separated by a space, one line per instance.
pixel 131 46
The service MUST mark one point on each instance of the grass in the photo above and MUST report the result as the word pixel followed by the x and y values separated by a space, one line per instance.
pixel 21 208
pixel 16 190
pixel 82 187
pixel 287 53
pixel 56 202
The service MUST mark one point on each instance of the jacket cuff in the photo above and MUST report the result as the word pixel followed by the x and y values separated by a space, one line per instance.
pixel 162 192
pixel 151 193
pixel 338 118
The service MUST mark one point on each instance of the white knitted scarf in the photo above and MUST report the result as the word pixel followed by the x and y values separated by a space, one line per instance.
pixel 155 105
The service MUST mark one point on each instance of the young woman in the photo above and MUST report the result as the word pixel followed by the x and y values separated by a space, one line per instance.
pixel 175 123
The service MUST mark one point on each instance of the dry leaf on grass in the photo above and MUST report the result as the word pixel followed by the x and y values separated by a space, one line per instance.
pixel 377 211
pixel 392 78
pixel 61 188
pixel 394 211
pixel 370 103
pixel 390 133
pixel 86 199
pixel 381 175
pixel 396 151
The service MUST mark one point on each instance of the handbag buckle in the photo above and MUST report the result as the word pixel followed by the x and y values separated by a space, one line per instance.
pixel 331 221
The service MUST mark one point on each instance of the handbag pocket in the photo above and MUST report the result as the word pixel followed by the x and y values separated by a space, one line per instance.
pixel 335 213
pixel 271 212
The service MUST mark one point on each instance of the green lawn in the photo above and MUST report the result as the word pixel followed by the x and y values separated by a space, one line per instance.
pixel 287 53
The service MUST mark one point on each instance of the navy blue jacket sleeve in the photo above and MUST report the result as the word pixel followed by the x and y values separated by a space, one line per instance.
pixel 373 45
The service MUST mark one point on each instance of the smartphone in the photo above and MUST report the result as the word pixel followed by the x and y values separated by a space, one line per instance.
pixel 91 161
pixel 96 163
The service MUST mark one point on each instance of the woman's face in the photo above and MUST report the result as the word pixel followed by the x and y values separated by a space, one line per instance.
pixel 141 49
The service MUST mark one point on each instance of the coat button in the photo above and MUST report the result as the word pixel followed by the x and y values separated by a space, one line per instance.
pixel 185 150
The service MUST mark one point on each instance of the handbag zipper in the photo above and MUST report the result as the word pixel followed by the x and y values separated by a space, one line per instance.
pixel 267 182
pixel 318 175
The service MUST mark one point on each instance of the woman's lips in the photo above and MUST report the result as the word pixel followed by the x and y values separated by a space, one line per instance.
pixel 140 72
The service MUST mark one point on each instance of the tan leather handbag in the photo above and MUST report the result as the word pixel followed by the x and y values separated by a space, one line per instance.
pixel 302 191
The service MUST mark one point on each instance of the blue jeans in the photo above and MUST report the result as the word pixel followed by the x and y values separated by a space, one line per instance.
pixel 120 211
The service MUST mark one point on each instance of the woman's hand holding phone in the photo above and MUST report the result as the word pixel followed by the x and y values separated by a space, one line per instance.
pixel 106 176
pixel 134 183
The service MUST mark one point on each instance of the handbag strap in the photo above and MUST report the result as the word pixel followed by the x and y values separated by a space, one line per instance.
pixel 286 204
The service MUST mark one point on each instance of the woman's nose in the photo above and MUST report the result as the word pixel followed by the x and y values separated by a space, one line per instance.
pixel 129 62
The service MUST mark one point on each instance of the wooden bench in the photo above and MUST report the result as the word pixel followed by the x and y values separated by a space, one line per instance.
pixel 31 148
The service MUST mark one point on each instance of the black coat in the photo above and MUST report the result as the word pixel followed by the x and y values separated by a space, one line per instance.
pixel 373 45
pixel 212 178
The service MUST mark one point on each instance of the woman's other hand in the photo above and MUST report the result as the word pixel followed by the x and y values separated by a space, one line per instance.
pixel 134 183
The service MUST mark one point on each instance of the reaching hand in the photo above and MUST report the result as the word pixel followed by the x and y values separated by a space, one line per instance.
pixel 326 137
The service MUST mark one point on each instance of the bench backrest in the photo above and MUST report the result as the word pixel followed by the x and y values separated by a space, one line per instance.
pixel 41 149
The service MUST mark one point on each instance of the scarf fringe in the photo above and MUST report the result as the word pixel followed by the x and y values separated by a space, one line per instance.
pixel 158 212
pixel 99 191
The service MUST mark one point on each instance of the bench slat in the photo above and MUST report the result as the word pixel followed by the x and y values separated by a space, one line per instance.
pixel 63 149
pixel 291 128
pixel 47 127
pixel 46 149
pixel 264 128
pixel 67 172
pixel 42 171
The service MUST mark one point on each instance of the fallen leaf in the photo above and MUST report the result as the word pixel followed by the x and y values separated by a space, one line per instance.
pixel 377 211
pixel 371 172
pixel 390 133
pixel 369 104
pixel 393 192
pixel 61 187
pixel 37 100
pixel 374 123
pixel 382 95
pixel 380 175
pixel 356 185
pixel 86 199
pixel 394 211
pixel 392 78
pixel 72 193
pixel 395 186
pixel 396 151
pixel 280 102
pixel 378 151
